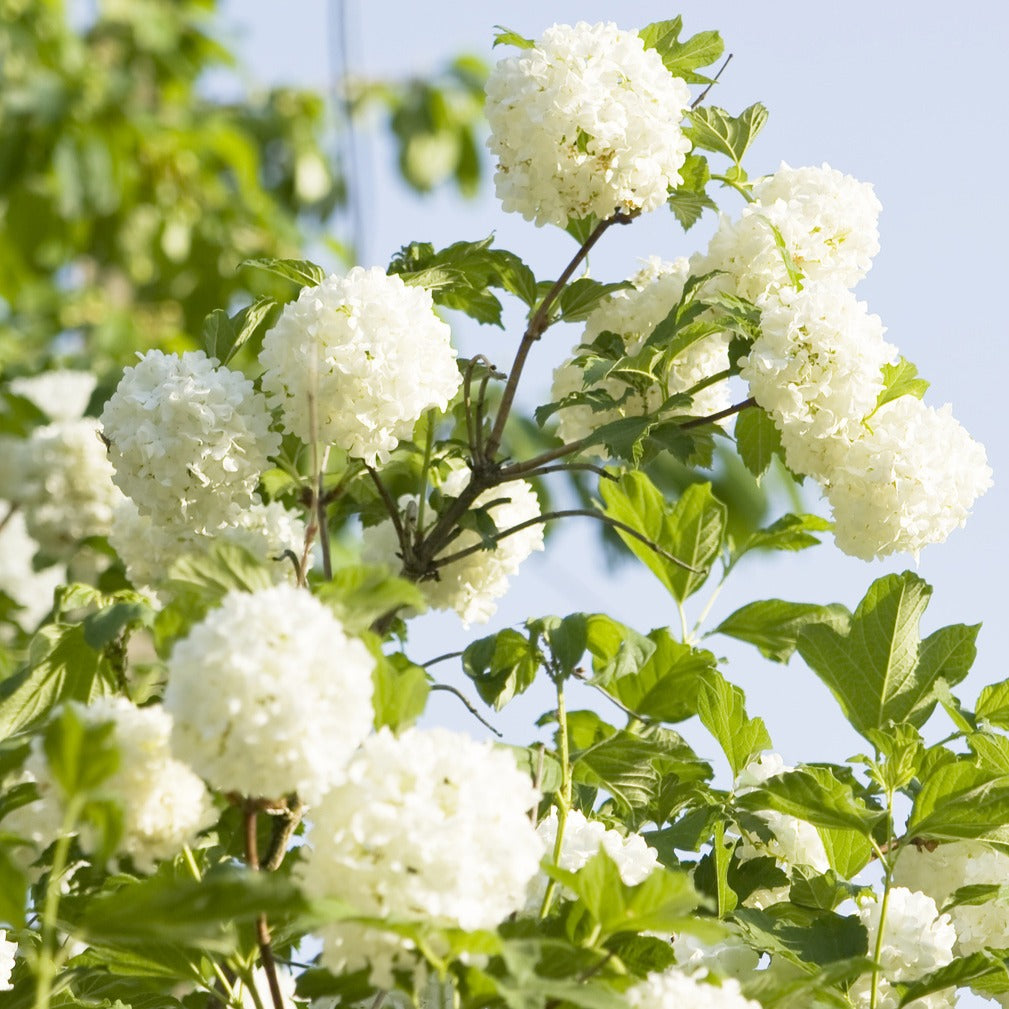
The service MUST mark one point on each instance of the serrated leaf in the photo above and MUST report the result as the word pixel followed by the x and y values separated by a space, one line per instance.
pixel 960 973
pixel 900 379
pixel 790 532
pixel 774 625
pixel 993 704
pixel 757 440
pixel 813 794
pixel 299 271
pixel 848 851
pixel 682 59
pixel 581 296
pixel 959 800
pixel 721 709
pixel 878 669
pixel 361 593
pixel 692 530
pixel 502 666
pixel 713 129
pixel 581 228
pixel 623 765
pixel 401 689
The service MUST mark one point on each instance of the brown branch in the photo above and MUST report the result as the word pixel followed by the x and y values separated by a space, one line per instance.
pixel 469 706
pixel 322 520
pixel 251 809
pixel 721 415
pixel 571 513
pixel 519 468
pixel 284 826
pixel 714 80
pixel 391 509
pixel 536 328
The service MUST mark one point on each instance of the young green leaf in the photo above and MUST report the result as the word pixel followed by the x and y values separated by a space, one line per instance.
pixel 682 59
pixel 300 272
pixel 506 37
pixel 713 129
pixel 721 708
pixel 502 665
pixel 774 625
pixel 900 379
pixel 401 691
pixel 758 440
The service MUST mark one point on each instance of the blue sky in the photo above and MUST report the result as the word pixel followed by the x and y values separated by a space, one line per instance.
pixel 906 96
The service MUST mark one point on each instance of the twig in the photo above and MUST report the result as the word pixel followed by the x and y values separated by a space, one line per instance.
pixel 567 467
pixel 441 658
pixel 704 94
pixel 262 927
pixel 468 704
pixel 284 826
pixel 10 514
pixel 537 326
pixel 519 468
pixel 390 507
pixel 721 415
pixel 571 513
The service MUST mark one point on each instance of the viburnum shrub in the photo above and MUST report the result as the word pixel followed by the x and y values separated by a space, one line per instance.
pixel 213 790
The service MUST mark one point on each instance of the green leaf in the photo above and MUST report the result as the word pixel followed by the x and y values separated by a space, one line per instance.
pixel 900 379
pixel 757 439
pixel 658 904
pixel 692 530
pixel 401 692
pixel 682 59
pixel 581 296
pixel 361 593
pixel 616 649
pixel 212 574
pixel 774 625
pixel 848 851
pixel 713 129
pixel 581 228
pixel 80 757
pixel 878 669
pixel 506 37
pixel 666 686
pixel 826 939
pixel 61 667
pixel 790 532
pixel 300 272
pixel 689 200
pixel 103 627
pixel 815 795
pixel 721 709
pixel 623 765
pixel 502 666
pixel 993 704
pixel 13 890
pixel 959 800
pixel 962 972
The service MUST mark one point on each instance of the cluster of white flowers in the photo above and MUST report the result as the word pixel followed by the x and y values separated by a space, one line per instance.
pixel 188 439
pixel 947 868
pixel 633 315
pixel 8 951
pixel 583 838
pixel 585 122
pixel 891 476
pixel 356 361
pixel 59 394
pixel 672 989
pixel 728 958
pixel 917 940
pixel 32 590
pixel 148 549
pixel 795 842
pixel 269 695
pixel 164 805
pixel 471 584
pixel 428 827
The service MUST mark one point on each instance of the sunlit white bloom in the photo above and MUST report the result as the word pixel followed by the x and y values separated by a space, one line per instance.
pixel 266 531
pixel 586 122
pixel 633 314
pixel 67 489
pixel 188 439
pixel 826 222
pixel 163 804
pixel 672 989
pixel 729 957
pixel 582 840
pixel 948 867
pixel 909 480
pixel 32 590
pixel 817 369
pixel 8 950
pixel 356 361
pixel 795 841
pixel 59 394
pixel 916 941
pixel 269 695
pixel 430 827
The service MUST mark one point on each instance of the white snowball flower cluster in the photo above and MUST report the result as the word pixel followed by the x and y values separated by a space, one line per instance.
pixel 32 590
pixel 188 439
pixel 8 951
pixel 817 369
pixel 795 841
pixel 471 584
pixel 356 361
pixel 909 480
pixel 582 840
pixel 164 804
pixel 148 549
pixel 269 695
pixel 67 487
pixel 586 122
pixel 59 394
pixel 427 827
pixel 943 871
pixel 827 223
pixel 672 989
pixel 633 314
pixel 916 941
